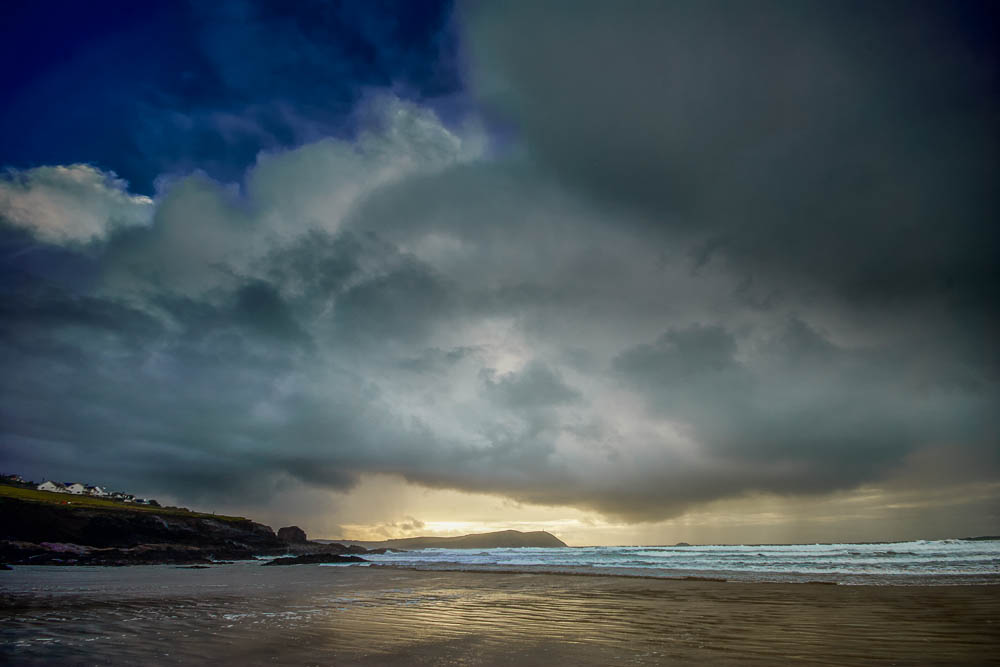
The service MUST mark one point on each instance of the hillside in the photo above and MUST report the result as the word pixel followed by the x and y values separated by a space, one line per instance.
pixel 42 527
pixel 69 500
pixel 499 540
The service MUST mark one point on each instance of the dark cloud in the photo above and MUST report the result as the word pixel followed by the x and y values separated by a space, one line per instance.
pixel 843 146
pixel 398 304
pixel 433 359
pixel 727 250
pixel 536 386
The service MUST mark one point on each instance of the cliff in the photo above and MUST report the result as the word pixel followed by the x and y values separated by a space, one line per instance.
pixel 39 531
pixel 38 522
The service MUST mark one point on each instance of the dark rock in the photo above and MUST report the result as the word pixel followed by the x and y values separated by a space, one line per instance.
pixel 682 544
pixel 303 548
pixel 49 553
pixel 292 534
pixel 18 552
pixel 309 559
pixel 194 567
pixel 355 549
pixel 44 524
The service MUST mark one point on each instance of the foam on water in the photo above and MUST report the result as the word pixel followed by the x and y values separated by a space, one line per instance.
pixel 937 559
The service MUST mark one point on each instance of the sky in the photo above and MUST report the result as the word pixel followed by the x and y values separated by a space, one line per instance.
pixel 637 272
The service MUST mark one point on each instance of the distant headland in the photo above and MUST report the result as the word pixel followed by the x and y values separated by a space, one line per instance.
pixel 503 539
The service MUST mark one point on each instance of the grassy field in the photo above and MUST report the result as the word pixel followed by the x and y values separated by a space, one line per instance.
pixel 51 498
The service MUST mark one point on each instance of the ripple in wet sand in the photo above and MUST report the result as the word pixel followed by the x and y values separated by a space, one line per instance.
pixel 313 615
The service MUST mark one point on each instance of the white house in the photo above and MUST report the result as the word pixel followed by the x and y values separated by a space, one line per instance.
pixel 96 491
pixel 52 486
pixel 76 488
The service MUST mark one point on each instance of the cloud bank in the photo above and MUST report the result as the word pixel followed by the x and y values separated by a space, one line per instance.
pixel 730 252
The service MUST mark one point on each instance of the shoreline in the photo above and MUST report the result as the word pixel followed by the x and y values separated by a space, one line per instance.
pixel 375 615
pixel 719 576
pixel 649 574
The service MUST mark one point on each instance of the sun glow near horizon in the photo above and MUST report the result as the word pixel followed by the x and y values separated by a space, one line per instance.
pixel 385 507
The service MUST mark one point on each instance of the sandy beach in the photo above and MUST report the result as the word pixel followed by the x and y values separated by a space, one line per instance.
pixel 304 615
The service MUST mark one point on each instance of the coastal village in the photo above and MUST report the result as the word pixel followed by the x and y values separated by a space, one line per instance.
pixel 78 489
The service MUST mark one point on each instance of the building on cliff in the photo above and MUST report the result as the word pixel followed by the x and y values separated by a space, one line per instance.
pixel 79 489
pixel 55 487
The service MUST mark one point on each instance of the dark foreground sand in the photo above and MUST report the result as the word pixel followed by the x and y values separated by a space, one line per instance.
pixel 310 615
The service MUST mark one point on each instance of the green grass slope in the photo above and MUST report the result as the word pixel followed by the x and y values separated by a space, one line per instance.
pixel 68 500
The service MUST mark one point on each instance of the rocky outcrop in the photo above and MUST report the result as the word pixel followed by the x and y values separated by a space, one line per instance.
pixel 309 559
pixel 292 535
pixel 33 533
pixel 58 553
pixel 85 535
pixel 335 548
pixel 307 547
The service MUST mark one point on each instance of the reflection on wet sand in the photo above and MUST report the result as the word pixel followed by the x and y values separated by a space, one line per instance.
pixel 315 615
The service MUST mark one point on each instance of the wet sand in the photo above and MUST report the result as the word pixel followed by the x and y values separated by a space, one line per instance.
pixel 311 615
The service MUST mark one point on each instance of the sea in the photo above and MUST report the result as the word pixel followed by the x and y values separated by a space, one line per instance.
pixel 919 562
pixel 413 609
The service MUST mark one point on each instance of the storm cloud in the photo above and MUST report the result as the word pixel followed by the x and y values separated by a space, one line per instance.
pixel 725 249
